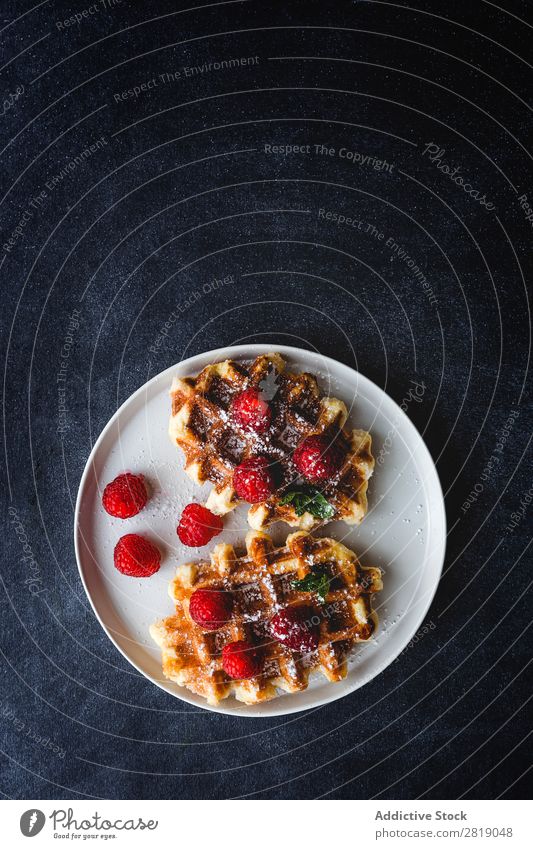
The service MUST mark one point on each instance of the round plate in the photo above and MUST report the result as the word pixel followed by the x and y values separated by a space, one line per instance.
pixel 404 532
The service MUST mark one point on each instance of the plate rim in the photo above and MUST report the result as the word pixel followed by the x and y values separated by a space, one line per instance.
pixel 254 711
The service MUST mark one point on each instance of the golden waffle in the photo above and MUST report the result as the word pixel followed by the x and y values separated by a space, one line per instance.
pixel 214 444
pixel 261 583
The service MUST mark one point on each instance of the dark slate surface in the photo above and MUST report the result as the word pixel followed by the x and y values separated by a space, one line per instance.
pixel 180 191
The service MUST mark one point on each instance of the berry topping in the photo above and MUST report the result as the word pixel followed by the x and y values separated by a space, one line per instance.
pixel 136 556
pixel 241 660
pixel 251 411
pixel 198 525
pixel 210 608
pixel 125 496
pixel 317 459
pixel 253 481
pixel 297 628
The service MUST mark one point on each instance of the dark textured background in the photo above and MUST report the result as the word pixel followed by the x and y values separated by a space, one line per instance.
pixel 182 192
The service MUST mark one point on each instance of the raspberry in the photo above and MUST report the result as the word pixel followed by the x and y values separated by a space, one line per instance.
pixel 136 556
pixel 297 628
pixel 317 459
pixel 125 496
pixel 210 608
pixel 241 660
pixel 198 525
pixel 251 411
pixel 253 481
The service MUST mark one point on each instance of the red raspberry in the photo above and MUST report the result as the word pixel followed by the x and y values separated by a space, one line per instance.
pixel 317 459
pixel 241 660
pixel 210 608
pixel 125 496
pixel 136 556
pixel 253 481
pixel 296 627
pixel 198 525
pixel 251 411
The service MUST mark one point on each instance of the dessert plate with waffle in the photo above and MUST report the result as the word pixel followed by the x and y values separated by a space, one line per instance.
pixel 292 526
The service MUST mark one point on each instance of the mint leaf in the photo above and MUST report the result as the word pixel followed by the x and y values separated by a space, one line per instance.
pixel 320 506
pixel 323 588
pixel 316 581
pixel 309 501
pixel 299 501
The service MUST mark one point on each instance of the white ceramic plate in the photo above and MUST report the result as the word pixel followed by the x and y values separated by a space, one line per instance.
pixel 404 531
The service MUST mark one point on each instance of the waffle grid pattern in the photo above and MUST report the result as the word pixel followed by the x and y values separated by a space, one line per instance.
pixel 261 584
pixel 214 444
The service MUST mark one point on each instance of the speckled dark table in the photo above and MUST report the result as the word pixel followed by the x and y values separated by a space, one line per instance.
pixel 145 155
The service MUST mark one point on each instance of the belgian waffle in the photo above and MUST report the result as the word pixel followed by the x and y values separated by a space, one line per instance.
pixel 261 583
pixel 214 444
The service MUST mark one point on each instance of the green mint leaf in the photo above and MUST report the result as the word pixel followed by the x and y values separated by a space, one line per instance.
pixel 309 501
pixel 320 507
pixel 302 504
pixel 323 589
pixel 316 581
pixel 288 497
pixel 306 584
